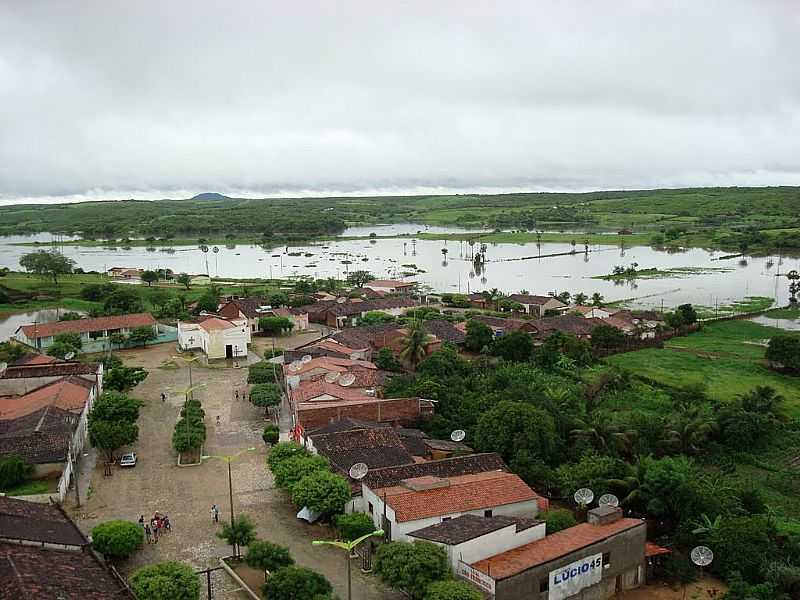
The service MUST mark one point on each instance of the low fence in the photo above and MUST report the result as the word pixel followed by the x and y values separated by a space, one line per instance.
pixel 634 344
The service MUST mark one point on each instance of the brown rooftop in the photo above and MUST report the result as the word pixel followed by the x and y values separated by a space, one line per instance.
pixel 509 563
pixel 83 325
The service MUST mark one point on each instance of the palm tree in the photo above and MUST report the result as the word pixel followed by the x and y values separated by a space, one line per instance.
pixel 597 299
pixel 412 346
pixel 580 298
pixel 689 431
pixel 763 400
pixel 602 435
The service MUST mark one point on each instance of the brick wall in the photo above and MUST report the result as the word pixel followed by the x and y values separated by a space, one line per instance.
pixel 393 410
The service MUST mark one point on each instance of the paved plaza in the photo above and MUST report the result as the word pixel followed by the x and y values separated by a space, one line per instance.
pixel 186 494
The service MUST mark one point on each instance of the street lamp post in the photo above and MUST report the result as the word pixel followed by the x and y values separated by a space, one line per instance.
pixel 348 547
pixel 229 459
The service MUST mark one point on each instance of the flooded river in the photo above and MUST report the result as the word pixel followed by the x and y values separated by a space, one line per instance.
pixel 509 267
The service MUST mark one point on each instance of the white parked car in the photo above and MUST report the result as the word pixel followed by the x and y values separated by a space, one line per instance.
pixel 128 460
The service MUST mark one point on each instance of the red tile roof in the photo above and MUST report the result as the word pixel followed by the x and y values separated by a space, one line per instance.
pixel 551 547
pixel 651 549
pixel 391 283
pixel 57 369
pixel 69 393
pixel 35 359
pixel 463 493
pixel 311 389
pixel 84 325
pixel 216 324
pixel 331 364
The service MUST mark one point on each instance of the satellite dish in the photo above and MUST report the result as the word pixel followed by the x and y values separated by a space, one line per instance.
pixel 69 356
pixel 358 471
pixel 608 500
pixel 458 435
pixel 584 496
pixel 295 366
pixel 702 556
pixel 347 380
pixel 306 358
pixel 331 377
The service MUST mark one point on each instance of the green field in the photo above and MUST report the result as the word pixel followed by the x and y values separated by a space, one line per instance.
pixel 34 293
pixel 754 219
pixel 727 357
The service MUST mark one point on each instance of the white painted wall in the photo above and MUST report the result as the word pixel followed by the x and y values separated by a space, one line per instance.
pixel 528 509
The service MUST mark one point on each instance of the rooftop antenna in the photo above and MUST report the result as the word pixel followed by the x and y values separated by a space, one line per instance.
pixel 358 471
pixel 331 377
pixel 458 435
pixel 583 497
pixel 347 380
pixel 608 500
pixel 306 358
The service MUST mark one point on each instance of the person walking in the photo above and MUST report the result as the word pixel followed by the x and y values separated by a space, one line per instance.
pixel 163 397
pixel 167 524
pixel 148 533
pixel 141 521
pixel 237 395
pixel 154 527
pixel 215 513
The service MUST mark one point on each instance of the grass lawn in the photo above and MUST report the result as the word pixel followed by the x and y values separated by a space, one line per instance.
pixel 726 357
pixel 29 488
pixel 788 312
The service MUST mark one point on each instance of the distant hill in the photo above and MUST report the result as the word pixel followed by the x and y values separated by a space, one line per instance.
pixel 210 196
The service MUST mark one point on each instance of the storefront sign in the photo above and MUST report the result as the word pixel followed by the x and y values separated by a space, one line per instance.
pixel 475 577
pixel 571 579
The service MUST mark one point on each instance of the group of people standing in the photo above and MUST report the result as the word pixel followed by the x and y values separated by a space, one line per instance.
pixel 158 526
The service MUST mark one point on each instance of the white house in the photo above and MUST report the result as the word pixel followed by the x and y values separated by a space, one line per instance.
pixel 538 305
pixel 217 337
pixel 470 538
pixel 41 335
pixel 591 312
pixel 424 501
pixel 391 286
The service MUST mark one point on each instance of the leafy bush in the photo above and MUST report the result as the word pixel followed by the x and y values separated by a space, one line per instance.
pixel 479 336
pixel 282 451
pixel 297 583
pixel 352 526
pixel 290 471
pixel 242 533
pixel 267 556
pixel 122 379
pixel 275 325
pixel 386 360
pixel 411 567
pixel 271 434
pixel 14 471
pixel 265 395
pixel 262 372
pixel 190 430
pixel 322 491
pixel 168 580
pixel 117 539
pixel 452 590
pixel 558 519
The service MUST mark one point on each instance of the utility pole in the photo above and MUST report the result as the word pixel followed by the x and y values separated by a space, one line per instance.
pixel 74 466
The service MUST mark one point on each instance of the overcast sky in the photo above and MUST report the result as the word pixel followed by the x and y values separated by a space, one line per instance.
pixel 114 99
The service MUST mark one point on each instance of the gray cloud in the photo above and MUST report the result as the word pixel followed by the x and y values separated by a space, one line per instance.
pixel 166 99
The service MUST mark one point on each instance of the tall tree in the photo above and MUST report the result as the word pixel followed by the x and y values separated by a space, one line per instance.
pixel 47 264
pixel 414 342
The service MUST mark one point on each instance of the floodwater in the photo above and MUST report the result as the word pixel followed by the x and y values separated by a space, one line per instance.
pixel 508 267
pixel 9 322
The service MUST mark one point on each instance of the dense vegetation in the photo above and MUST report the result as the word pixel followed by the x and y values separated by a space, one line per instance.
pixel 703 469
pixel 728 217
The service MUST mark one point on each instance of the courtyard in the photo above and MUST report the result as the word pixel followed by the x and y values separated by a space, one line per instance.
pixel 187 493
